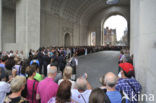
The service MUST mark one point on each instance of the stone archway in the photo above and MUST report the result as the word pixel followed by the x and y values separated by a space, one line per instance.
pixel 117 31
pixel 97 21
pixel 67 40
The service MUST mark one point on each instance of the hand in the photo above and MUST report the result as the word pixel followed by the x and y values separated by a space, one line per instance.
pixel 85 75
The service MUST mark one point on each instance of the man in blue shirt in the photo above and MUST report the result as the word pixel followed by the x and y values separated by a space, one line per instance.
pixel 113 95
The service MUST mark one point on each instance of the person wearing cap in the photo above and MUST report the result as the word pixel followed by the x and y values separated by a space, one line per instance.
pixel 127 83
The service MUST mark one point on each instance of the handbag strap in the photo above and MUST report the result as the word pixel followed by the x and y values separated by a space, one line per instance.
pixel 83 98
pixel 33 91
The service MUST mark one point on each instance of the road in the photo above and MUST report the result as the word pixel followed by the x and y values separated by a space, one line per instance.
pixel 97 64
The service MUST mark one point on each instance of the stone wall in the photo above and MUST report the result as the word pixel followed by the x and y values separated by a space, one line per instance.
pixel 54 27
pixel 26 22
pixel 143 43
pixel 50 29
pixel 8 26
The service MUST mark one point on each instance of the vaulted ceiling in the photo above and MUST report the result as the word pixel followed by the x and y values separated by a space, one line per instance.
pixel 71 9
pixel 75 9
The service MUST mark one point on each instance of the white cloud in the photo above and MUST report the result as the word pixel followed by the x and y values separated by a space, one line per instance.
pixel 117 22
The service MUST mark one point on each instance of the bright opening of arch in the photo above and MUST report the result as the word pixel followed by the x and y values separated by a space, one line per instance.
pixel 117 24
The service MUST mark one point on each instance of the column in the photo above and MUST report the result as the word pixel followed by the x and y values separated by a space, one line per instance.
pixel 0 25
pixel 143 42
pixel 28 24
pixel 98 36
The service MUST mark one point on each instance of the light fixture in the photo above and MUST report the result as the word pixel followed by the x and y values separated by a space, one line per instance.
pixel 112 2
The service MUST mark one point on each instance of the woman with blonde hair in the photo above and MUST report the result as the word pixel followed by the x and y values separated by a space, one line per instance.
pixel 67 76
pixel 17 86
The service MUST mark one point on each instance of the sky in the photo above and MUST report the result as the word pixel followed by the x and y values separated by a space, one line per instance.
pixel 117 22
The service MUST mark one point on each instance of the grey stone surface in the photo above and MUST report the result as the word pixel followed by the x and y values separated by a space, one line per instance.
pixel 8 26
pixel 143 37
pixel 28 23
pixel 27 26
pixel 98 64
pixel 57 17
pixel 78 18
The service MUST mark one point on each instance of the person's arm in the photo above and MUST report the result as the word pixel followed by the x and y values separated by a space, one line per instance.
pixel 89 87
pixel 37 96
pixel 7 87
pixel 85 75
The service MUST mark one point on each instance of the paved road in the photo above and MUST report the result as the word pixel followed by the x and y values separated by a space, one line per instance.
pixel 97 64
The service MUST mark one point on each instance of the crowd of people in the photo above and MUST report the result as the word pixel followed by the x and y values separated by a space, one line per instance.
pixel 48 75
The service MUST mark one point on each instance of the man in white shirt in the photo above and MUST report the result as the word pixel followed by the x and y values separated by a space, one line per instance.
pixel 4 88
pixel 82 92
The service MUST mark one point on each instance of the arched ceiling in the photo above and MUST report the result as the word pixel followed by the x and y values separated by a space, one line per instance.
pixel 77 9
pixel 71 9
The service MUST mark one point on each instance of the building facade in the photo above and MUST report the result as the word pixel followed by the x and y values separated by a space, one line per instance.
pixel 110 37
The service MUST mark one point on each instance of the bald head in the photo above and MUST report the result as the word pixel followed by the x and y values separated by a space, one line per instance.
pixel 81 84
pixel 110 79
pixel 51 69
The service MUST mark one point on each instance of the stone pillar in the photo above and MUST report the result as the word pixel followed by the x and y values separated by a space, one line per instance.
pixel 28 24
pixel 0 25
pixel 98 36
pixel 143 43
